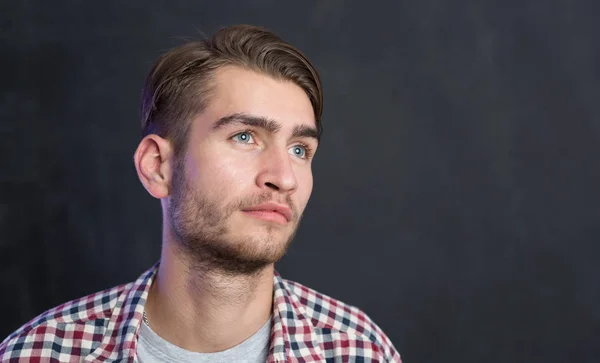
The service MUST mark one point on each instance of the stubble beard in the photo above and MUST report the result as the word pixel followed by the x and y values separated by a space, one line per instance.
pixel 200 227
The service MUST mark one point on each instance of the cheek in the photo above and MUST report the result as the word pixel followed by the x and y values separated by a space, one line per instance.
pixel 222 175
pixel 237 170
pixel 304 178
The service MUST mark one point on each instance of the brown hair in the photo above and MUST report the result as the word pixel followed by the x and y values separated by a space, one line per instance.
pixel 177 87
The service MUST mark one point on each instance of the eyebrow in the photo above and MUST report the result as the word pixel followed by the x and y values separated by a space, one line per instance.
pixel 264 123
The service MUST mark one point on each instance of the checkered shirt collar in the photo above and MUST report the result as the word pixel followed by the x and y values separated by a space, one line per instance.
pixel 290 324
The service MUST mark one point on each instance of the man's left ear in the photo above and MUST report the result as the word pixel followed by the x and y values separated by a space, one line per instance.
pixel 152 160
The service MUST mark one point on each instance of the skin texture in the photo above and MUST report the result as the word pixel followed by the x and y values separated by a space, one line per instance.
pixel 251 145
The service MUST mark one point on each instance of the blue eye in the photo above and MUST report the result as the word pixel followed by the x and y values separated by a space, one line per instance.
pixel 244 137
pixel 299 151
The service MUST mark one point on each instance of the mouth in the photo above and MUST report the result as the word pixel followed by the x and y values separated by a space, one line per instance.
pixel 270 212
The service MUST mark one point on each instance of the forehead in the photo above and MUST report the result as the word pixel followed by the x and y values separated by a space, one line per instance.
pixel 238 90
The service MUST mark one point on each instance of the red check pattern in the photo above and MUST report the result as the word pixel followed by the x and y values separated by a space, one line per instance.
pixel 103 327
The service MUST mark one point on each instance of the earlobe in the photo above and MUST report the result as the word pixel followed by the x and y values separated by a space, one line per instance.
pixel 152 162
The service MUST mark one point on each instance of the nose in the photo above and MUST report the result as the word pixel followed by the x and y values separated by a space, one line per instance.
pixel 276 172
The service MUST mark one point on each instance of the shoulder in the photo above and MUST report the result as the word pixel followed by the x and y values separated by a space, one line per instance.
pixel 333 317
pixel 77 324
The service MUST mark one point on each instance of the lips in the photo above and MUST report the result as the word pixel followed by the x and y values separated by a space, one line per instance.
pixel 272 207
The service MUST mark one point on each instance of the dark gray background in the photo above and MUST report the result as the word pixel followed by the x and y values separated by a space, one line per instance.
pixel 456 188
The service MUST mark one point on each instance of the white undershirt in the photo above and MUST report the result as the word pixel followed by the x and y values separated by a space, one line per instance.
pixel 153 349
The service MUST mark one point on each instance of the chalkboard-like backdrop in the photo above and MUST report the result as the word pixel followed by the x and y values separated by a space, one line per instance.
pixel 456 190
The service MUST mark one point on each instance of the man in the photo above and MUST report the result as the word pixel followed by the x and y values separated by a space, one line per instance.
pixel 230 127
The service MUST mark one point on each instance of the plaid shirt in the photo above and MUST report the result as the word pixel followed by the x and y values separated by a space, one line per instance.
pixel 104 327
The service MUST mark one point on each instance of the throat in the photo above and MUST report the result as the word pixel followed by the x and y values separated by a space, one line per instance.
pixel 203 312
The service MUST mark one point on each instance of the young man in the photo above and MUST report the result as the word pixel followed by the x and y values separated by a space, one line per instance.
pixel 230 128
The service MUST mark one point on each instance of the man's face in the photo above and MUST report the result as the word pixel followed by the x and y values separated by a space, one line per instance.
pixel 240 188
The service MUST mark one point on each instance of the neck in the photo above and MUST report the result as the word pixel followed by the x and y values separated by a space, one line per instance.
pixel 206 311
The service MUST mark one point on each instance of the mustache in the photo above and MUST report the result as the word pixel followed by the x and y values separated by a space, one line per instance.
pixel 264 198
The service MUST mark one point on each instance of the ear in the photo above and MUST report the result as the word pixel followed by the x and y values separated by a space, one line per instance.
pixel 153 159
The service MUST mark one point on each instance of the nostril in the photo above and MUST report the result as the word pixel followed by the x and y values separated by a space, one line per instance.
pixel 272 186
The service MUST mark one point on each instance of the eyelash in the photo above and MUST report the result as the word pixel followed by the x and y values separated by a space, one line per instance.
pixel 307 149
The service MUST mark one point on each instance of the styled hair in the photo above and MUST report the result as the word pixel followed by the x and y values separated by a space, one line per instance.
pixel 179 85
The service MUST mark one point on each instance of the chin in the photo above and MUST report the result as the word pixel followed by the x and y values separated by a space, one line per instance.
pixel 260 246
